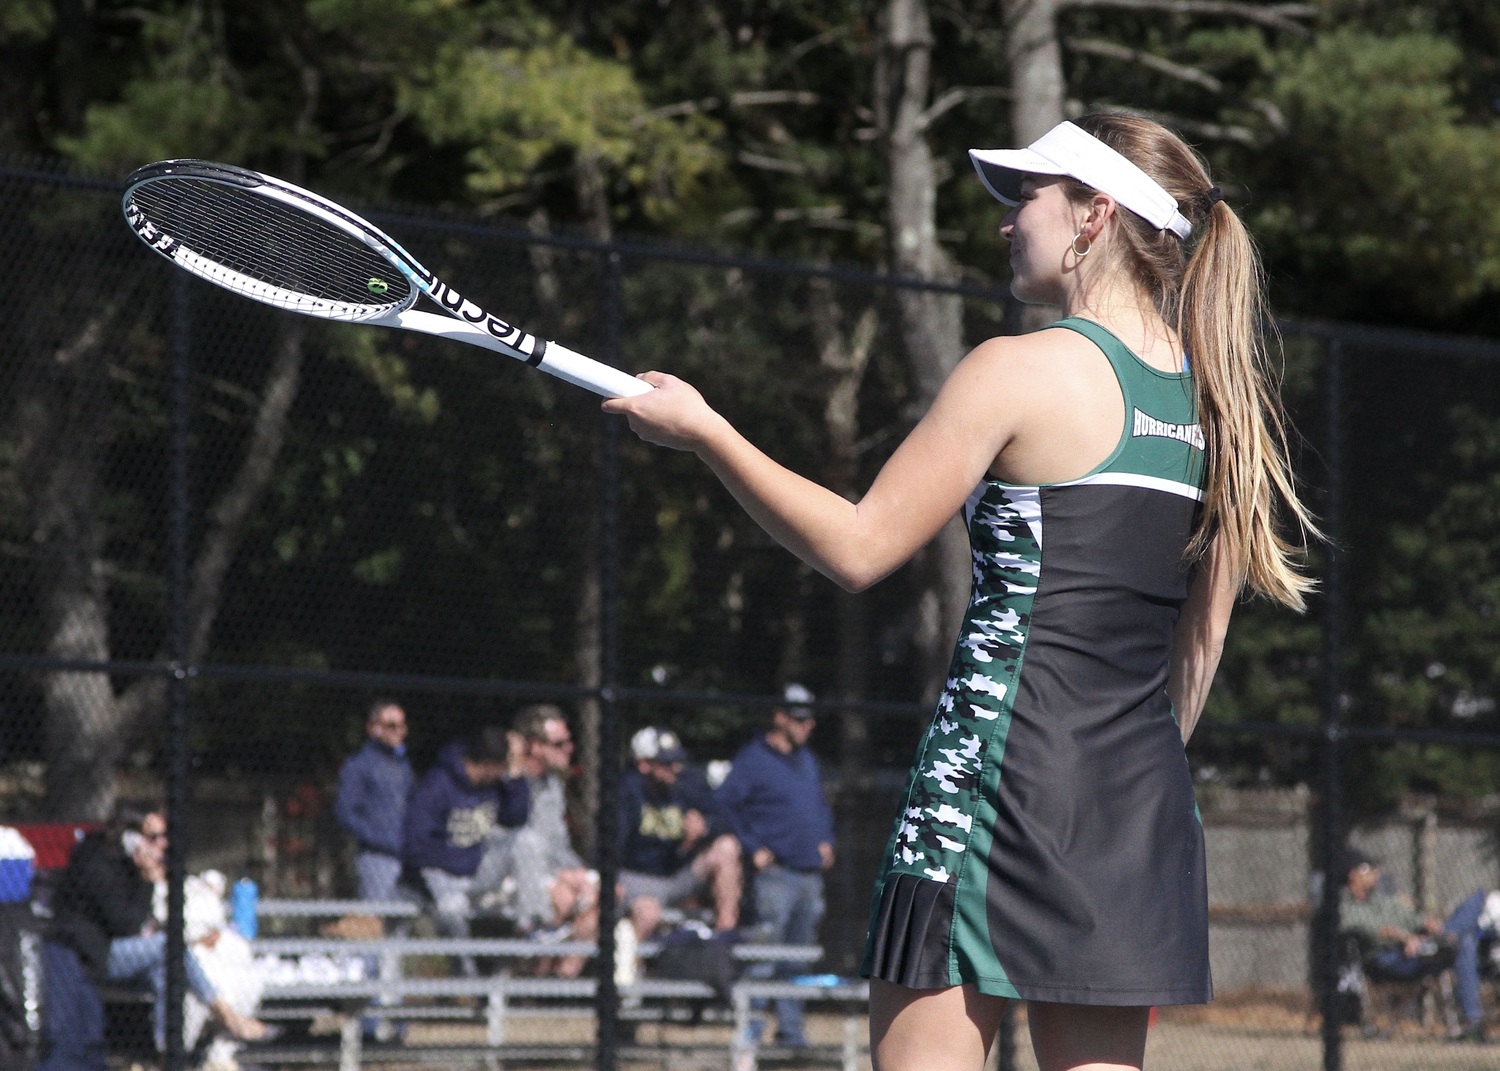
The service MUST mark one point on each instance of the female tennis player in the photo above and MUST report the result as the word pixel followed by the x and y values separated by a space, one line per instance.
pixel 1124 476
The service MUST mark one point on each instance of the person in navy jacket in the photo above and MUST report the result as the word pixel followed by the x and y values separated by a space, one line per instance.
pixel 373 785
pixel 476 785
pixel 774 798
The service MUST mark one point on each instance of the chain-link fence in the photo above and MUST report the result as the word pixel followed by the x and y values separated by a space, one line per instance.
pixel 228 531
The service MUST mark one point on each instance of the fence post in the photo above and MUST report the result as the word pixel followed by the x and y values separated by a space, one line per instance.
pixel 176 743
pixel 1330 839
pixel 607 835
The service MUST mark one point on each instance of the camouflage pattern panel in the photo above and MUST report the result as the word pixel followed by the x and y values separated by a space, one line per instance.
pixel 973 713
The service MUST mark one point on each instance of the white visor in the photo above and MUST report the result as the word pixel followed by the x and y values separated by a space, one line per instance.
pixel 1070 150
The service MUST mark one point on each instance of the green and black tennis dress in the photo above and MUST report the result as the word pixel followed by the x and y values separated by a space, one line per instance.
pixel 1049 847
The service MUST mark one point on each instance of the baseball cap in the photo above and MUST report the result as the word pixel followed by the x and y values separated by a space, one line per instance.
pixel 657 745
pixel 1070 150
pixel 796 698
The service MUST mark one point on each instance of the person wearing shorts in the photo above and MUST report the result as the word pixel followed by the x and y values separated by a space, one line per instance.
pixel 674 845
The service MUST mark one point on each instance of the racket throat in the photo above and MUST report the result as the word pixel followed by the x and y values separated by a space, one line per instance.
pixel 529 347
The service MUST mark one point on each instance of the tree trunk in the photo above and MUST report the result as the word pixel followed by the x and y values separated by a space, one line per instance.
pixel 62 407
pixel 73 68
pixel 593 202
pixel 1034 60
pixel 228 516
pixel 60 418
pixel 931 322
pixel 847 357
pixel 1038 94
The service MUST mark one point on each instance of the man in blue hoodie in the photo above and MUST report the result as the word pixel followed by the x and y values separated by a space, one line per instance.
pixel 774 796
pixel 475 786
pixel 373 785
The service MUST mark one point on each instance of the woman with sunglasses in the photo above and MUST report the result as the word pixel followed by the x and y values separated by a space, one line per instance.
pixel 103 911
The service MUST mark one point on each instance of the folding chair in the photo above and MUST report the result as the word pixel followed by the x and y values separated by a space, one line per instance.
pixel 1420 990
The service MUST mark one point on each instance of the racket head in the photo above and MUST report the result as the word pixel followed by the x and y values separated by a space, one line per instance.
pixel 269 240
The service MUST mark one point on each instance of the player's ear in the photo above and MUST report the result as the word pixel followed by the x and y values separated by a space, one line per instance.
pixel 1101 210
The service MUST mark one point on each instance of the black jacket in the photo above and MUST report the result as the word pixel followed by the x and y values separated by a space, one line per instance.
pixel 102 896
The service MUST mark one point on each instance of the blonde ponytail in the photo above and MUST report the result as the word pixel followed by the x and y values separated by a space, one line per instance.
pixel 1212 288
pixel 1223 322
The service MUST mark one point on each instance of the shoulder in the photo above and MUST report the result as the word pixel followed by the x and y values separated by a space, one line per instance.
pixel 744 760
pixel 1040 357
pixel 89 857
pixel 1021 375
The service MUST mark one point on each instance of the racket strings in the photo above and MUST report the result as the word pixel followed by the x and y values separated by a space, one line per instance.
pixel 271 250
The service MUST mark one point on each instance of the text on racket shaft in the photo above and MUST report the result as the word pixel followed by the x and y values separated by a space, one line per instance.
pixel 465 309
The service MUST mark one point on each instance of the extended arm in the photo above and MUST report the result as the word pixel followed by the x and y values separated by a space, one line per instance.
pixel 1199 639
pixel 919 489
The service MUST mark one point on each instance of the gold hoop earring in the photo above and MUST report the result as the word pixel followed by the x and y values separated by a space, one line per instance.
pixel 1087 248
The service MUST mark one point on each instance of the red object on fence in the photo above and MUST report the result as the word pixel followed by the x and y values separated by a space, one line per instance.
pixel 54 842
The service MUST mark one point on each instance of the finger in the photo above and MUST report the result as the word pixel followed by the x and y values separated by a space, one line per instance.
pixel 621 405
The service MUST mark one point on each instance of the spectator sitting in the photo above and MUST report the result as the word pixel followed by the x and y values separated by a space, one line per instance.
pixel 373 785
pixel 103 911
pixel 531 873
pixel 474 786
pixel 1402 943
pixel 226 958
pixel 673 841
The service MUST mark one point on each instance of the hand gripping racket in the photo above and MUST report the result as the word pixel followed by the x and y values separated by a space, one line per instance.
pixel 280 244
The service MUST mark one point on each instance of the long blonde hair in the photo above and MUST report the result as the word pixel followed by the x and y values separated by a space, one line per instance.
pixel 1212 288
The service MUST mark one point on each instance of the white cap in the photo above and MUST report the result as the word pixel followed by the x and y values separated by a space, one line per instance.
pixel 657 745
pixel 1070 150
pixel 797 698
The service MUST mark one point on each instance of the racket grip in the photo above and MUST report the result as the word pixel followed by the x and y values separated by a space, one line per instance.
pixel 581 371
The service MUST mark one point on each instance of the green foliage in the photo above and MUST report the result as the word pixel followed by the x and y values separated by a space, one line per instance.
pixel 25 21
pixel 1385 190
pixel 391 374
pixel 170 117
pixel 521 107
pixel 1433 625
pixel 1365 155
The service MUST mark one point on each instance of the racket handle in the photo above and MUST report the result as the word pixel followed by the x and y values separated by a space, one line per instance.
pixel 590 374
pixel 557 360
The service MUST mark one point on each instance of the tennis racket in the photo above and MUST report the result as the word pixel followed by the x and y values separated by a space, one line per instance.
pixel 283 245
